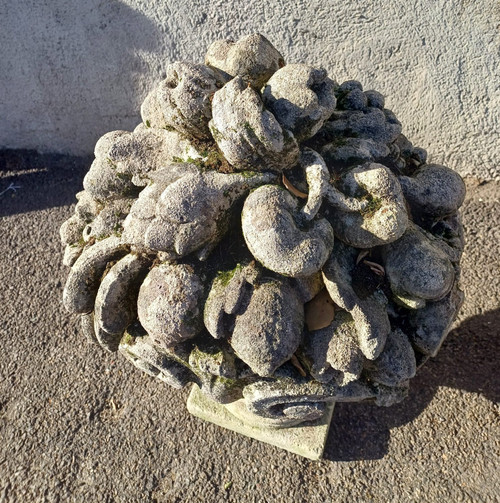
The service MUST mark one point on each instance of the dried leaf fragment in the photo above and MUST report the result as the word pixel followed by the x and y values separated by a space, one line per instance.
pixel 376 268
pixel 292 189
pixel 320 311
pixel 295 362
pixel 362 255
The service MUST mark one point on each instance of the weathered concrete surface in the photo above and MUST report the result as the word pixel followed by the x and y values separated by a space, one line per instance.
pixel 79 424
pixel 71 71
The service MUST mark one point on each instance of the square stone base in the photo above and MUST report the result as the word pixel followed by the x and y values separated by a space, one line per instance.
pixel 305 440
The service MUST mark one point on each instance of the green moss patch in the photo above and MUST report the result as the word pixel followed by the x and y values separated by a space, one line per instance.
pixel 374 204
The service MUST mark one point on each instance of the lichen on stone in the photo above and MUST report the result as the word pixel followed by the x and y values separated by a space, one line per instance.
pixel 268 234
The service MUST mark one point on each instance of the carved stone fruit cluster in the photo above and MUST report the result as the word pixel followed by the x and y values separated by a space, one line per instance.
pixel 267 234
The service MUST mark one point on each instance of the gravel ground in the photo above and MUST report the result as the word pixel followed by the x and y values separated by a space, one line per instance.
pixel 78 424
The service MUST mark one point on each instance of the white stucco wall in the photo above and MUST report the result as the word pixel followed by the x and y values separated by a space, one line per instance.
pixel 71 70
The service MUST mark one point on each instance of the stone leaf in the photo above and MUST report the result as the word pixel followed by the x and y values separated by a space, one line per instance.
pixel 221 389
pixel 317 177
pixel 142 352
pixel 182 100
pixel 369 313
pixel 249 136
pixel 417 269
pixel 386 396
pixel 105 182
pixel 169 304
pixel 332 353
pixel 228 294
pixel 213 359
pixel 147 150
pixel 192 213
pixel 396 364
pixel 71 230
pixel 71 254
pixel 105 143
pixel 381 126
pixel 301 98
pixel 109 221
pixel 143 210
pixel 308 286
pixel 253 58
pixel 434 191
pixel 432 323
pixel 85 275
pixel 312 354
pixel 271 231
pixel 341 151
pixel 448 234
pixel 350 96
pixel 269 331
pixel 86 210
pixel 383 218
pixel 344 353
pixel 115 304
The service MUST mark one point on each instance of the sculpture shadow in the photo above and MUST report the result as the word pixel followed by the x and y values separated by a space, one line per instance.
pixel 30 181
pixel 93 55
pixel 468 360
pixel 104 72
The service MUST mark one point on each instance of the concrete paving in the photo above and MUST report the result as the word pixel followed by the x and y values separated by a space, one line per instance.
pixel 79 424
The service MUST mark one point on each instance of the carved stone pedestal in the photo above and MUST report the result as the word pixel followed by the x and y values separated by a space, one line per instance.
pixel 307 440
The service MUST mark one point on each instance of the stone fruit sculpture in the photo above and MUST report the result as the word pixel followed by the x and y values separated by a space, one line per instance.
pixel 269 235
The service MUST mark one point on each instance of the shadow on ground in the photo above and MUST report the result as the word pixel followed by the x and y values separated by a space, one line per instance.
pixel 467 361
pixel 30 181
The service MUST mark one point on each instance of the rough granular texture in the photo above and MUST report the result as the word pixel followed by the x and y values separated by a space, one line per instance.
pixel 268 234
